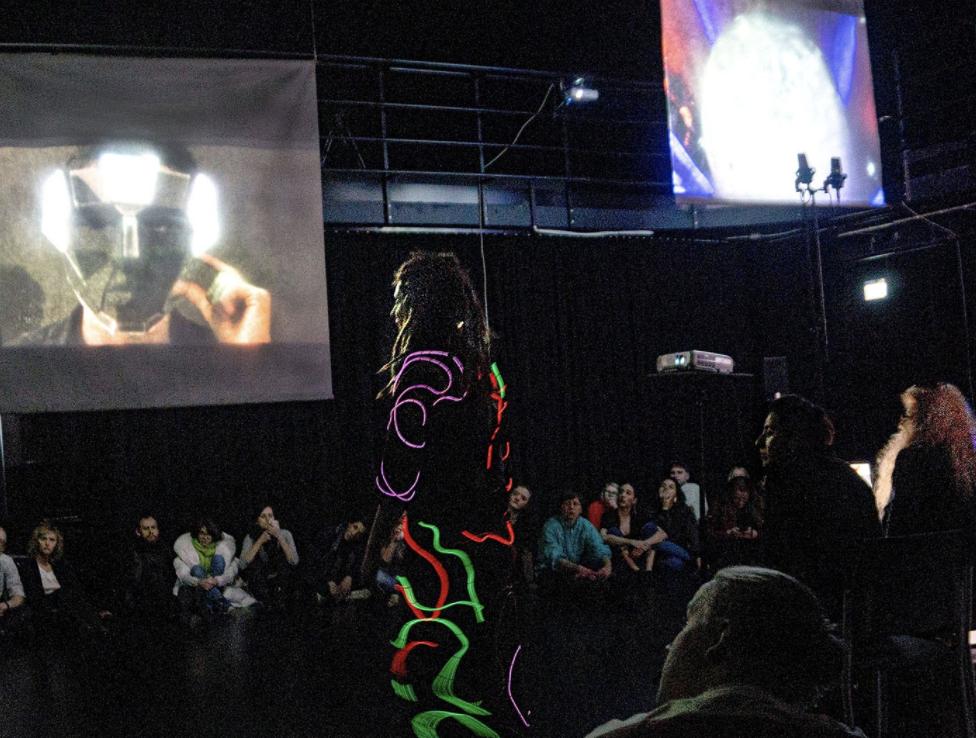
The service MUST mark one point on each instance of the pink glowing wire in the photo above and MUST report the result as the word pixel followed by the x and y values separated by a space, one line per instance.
pixel 511 669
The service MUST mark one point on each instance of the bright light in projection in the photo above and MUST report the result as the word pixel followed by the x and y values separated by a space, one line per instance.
pixel 56 211
pixel 875 289
pixel 767 94
pixel 128 179
pixel 201 211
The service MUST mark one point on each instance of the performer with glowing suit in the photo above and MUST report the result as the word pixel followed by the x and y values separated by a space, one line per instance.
pixel 443 471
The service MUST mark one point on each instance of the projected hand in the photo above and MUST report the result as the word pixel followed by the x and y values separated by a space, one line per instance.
pixel 236 310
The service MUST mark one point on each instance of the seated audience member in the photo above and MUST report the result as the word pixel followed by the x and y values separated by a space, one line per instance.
pixel 268 560
pixel 390 564
pixel 738 471
pixel 571 548
pixel 755 652
pixel 818 509
pixel 334 573
pixel 673 516
pixel 926 473
pixel 630 535
pixel 734 525
pixel 603 504
pixel 692 492
pixel 14 615
pixel 148 572
pixel 206 569
pixel 58 603
pixel 525 531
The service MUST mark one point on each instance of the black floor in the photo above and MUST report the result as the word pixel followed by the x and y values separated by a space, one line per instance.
pixel 323 672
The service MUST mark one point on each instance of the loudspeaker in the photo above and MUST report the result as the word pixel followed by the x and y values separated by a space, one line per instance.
pixel 776 377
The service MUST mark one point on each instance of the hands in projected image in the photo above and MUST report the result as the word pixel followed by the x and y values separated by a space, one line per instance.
pixel 236 310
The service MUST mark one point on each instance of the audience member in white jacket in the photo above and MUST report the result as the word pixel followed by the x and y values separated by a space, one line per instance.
pixel 206 569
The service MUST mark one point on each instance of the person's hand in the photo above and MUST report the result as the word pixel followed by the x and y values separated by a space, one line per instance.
pixel 585 573
pixel 603 572
pixel 274 529
pixel 639 550
pixel 235 310
pixel 345 586
pixel 207 584
pixel 4 609
pixel 104 614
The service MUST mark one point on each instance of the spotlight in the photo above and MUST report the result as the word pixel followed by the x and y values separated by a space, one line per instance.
pixel 875 289
pixel 578 92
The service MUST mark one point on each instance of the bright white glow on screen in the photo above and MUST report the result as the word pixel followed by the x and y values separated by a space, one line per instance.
pixel 56 211
pixel 766 94
pixel 128 179
pixel 876 289
pixel 201 210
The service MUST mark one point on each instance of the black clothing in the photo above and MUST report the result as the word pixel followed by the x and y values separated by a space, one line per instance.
pixel 65 612
pixel 925 496
pixel 817 514
pixel 334 558
pixel 682 528
pixel 148 575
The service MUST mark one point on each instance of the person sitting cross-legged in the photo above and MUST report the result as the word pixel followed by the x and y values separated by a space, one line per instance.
pixel 571 549
pixel 206 569
pixel 755 654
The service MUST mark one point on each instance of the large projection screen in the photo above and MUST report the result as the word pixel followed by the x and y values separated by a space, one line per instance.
pixel 162 240
pixel 753 83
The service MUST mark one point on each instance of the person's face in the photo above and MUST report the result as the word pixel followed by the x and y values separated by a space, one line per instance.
pixel 47 543
pixel 204 537
pixel 626 498
pixel 741 497
pixel 3 540
pixel 355 530
pixel 149 530
pixel 518 499
pixel 686 659
pixel 667 492
pixel 679 474
pixel 768 438
pixel 132 290
pixel 266 518
pixel 610 495
pixel 570 510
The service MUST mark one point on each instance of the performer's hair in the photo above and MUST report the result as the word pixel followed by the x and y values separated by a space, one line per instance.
pixel 437 307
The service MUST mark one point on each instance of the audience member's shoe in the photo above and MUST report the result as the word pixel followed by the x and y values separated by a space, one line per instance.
pixel 359 594
pixel 394 600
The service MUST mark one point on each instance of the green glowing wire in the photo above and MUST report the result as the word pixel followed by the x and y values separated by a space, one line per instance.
pixel 498 376
pixel 408 592
pixel 404 691
pixel 468 569
pixel 425 724
pixel 443 685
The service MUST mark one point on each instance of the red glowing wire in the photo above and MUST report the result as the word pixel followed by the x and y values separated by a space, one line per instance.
pixel 398 667
pixel 493 536
pixel 438 567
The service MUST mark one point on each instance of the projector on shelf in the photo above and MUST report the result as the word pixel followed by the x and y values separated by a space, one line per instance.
pixel 699 361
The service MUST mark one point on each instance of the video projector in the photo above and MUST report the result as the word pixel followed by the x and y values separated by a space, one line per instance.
pixel 700 361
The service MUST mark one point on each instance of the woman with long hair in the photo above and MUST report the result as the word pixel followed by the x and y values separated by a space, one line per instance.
pixel 926 473
pixel 443 473
pixel 676 519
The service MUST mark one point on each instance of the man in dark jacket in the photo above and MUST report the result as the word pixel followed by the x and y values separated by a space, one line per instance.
pixel 148 572
pixel 818 508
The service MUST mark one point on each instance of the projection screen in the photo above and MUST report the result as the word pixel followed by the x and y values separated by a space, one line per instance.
pixel 753 83
pixel 162 241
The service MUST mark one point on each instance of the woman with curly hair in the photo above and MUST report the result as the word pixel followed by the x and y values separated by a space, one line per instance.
pixel 926 473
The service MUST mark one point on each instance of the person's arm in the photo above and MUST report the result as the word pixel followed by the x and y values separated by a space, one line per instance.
pixel 14 587
pixel 551 550
pixel 251 548
pixel 287 545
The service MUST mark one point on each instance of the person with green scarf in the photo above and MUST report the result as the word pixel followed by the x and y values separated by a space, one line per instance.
pixel 206 569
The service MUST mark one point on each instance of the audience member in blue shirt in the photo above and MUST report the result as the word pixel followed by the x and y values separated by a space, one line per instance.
pixel 571 546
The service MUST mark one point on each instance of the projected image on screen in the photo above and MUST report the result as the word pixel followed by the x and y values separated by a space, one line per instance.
pixel 163 233
pixel 753 83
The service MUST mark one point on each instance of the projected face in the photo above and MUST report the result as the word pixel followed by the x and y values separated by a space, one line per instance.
pixel 126 222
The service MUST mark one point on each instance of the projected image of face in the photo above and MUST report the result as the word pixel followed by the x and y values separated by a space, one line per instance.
pixel 127 220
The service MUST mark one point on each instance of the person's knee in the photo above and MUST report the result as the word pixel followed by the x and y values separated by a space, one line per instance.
pixel 197 572
pixel 217 565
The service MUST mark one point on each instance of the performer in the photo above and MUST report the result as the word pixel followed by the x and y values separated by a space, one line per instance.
pixel 443 465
